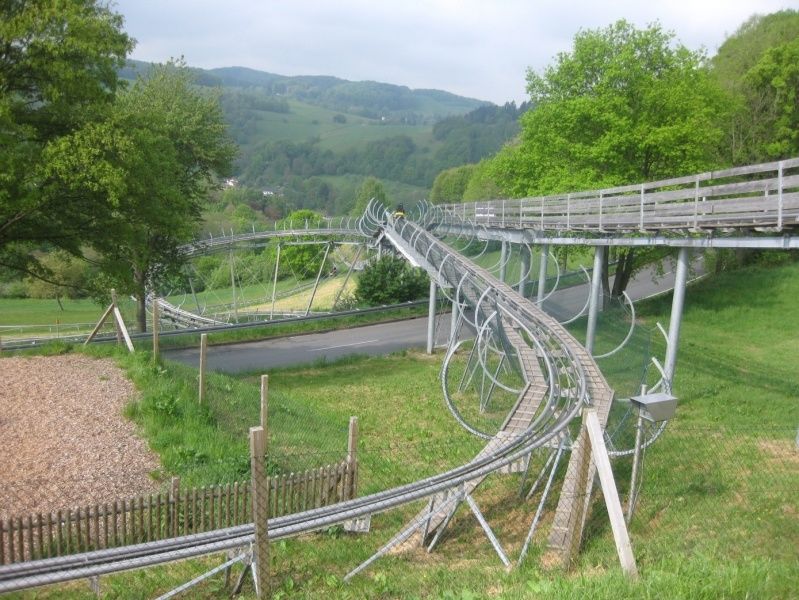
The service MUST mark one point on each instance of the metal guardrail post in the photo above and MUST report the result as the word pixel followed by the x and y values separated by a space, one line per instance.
pixel 542 273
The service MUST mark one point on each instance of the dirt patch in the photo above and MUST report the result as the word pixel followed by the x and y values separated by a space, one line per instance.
pixel 65 442
pixel 782 451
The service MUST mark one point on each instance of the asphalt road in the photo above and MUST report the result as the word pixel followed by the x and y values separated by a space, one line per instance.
pixel 376 340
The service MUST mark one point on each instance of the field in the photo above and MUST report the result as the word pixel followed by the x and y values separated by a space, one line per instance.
pixel 717 516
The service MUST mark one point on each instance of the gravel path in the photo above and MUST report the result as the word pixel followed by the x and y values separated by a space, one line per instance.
pixel 63 439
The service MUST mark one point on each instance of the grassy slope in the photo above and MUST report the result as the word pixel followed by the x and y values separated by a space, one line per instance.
pixel 718 516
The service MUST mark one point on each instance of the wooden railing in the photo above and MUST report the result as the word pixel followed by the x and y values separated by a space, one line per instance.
pixel 161 516
pixel 764 195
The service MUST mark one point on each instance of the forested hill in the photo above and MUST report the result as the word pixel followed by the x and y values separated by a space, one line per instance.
pixel 310 141
pixel 370 99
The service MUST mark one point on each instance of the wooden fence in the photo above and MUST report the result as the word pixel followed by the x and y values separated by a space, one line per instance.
pixel 166 515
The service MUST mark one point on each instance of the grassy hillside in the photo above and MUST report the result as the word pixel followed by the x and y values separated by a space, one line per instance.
pixel 717 516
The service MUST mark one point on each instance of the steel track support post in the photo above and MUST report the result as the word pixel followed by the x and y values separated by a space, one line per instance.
pixel 525 268
pixel 274 284
pixel 675 319
pixel 431 318
pixel 318 277
pixel 260 510
pixel 349 273
pixel 639 427
pixel 454 321
pixel 593 303
pixel 503 261
pixel 488 531
pixel 542 274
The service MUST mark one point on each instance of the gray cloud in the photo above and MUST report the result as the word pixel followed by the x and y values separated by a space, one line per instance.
pixel 478 48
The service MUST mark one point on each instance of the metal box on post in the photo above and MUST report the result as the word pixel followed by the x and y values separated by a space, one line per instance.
pixel 656 407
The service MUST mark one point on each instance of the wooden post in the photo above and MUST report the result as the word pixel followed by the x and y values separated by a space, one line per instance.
pixel 156 328
pixel 264 400
pixel 260 510
pixel 174 507
pixel 609 491
pixel 113 309
pixel 203 353
pixel 352 458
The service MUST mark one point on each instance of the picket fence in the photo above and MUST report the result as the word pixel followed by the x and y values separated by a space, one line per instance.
pixel 170 514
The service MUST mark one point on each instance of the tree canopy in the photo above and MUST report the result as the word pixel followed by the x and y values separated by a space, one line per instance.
pixel 370 188
pixel 624 105
pixel 58 73
pixel 145 168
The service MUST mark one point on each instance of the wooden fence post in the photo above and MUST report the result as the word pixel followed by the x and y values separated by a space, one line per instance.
pixel 203 352
pixel 264 400
pixel 156 329
pixel 260 509
pixel 352 458
pixel 174 506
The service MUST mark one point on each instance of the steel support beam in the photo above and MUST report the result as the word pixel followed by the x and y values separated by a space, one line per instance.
pixel 524 252
pixel 503 261
pixel 594 299
pixel 453 326
pixel 675 319
pixel 542 274
pixel 431 318
pixel 679 240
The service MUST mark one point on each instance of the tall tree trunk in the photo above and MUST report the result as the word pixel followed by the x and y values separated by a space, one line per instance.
pixel 624 272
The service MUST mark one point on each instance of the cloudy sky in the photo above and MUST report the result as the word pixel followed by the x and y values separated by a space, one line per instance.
pixel 477 48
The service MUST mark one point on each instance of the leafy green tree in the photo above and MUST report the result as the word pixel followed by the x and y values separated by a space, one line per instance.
pixel 300 261
pixel 389 280
pixel 58 72
pixel 760 92
pixel 777 75
pixel 625 105
pixel 67 278
pixel 370 188
pixel 147 170
pixel 450 185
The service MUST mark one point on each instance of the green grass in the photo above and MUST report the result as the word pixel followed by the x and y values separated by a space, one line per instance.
pixel 306 121
pixel 718 512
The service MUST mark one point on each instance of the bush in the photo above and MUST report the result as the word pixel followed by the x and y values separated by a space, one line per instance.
pixel 389 280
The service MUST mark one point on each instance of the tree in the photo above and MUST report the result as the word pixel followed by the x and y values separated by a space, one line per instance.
pixel 389 280
pixel 146 168
pixel 776 74
pixel 753 66
pixel 450 184
pixel 624 106
pixel 68 278
pixel 58 73
pixel 370 188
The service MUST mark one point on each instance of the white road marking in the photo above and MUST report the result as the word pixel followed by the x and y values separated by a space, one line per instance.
pixel 343 346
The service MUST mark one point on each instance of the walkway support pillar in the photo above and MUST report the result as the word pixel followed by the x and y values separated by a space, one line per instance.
pixel 453 326
pixel 431 318
pixel 525 274
pixel 542 274
pixel 503 261
pixel 594 299
pixel 675 319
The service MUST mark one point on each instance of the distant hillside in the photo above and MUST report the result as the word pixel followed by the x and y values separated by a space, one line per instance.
pixel 369 99
pixel 310 140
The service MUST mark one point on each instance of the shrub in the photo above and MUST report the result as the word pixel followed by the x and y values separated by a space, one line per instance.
pixel 389 280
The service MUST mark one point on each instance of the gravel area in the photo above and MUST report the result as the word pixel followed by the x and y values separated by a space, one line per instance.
pixel 63 439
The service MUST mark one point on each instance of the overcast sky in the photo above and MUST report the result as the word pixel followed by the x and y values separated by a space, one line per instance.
pixel 476 48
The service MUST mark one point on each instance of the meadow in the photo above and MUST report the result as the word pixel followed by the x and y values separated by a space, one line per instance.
pixel 718 511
